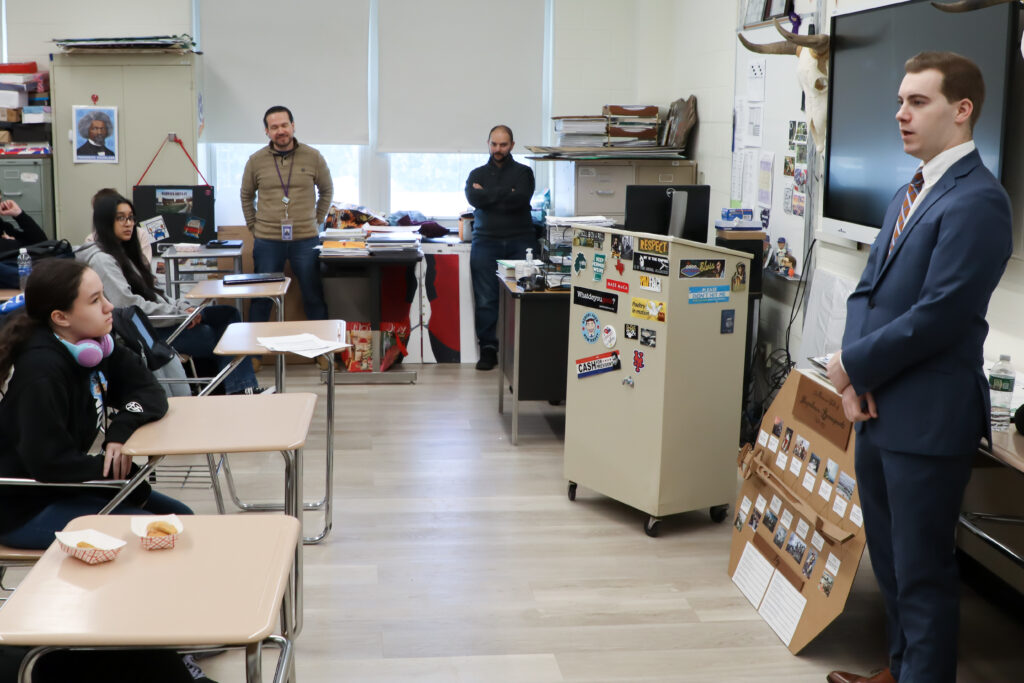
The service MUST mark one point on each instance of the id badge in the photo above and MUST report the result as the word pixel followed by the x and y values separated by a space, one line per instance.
pixel 286 232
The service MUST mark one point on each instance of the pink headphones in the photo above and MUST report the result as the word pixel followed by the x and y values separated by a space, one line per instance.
pixel 89 352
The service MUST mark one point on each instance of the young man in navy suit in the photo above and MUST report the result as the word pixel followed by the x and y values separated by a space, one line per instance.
pixel 910 370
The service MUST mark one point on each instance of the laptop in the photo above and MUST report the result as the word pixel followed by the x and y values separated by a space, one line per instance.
pixel 253 278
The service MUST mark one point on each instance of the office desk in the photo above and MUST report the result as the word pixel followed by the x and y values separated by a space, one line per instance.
pixel 172 269
pixel 200 425
pixel 1007 452
pixel 331 267
pixel 162 598
pixel 534 346
pixel 209 291
pixel 240 340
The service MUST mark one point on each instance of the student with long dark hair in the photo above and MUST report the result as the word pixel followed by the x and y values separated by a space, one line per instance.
pixel 116 257
pixel 67 374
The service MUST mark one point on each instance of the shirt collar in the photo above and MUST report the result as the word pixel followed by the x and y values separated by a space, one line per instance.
pixel 942 161
pixel 270 146
pixel 492 162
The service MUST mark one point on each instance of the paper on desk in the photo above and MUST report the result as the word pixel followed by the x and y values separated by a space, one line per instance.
pixel 308 345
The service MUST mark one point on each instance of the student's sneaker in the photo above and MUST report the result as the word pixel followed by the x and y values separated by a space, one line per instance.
pixel 252 391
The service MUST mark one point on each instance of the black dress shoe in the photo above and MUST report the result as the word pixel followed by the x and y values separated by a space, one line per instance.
pixel 883 676
pixel 488 359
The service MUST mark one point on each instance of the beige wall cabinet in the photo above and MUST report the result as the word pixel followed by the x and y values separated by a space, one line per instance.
pixel 155 94
pixel 598 187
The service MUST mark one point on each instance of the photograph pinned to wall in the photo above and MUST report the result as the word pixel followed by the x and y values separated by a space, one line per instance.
pixel 777 426
pixel 780 536
pixel 95 134
pixel 755 519
pixel 796 547
pixel 846 485
pixel 788 164
pixel 787 198
pixel 802 445
pixel 831 470
pixel 177 200
pixel 156 227
pixel 787 440
pixel 194 226
pixel 798 203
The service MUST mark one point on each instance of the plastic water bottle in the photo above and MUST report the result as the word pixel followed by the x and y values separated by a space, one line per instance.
pixel 1000 381
pixel 24 267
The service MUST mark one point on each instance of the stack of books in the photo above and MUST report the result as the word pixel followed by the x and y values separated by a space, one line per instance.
pixel 580 131
pixel 632 125
pixel 344 248
pixel 343 234
pixel 393 242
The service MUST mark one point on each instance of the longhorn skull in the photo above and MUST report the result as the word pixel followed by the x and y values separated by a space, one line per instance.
pixel 811 73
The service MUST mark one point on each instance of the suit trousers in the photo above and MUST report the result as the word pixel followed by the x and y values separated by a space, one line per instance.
pixel 911 505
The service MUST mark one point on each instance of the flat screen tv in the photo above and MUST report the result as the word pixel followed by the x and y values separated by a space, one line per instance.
pixel 865 164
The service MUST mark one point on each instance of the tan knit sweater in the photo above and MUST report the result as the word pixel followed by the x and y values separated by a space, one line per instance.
pixel 305 210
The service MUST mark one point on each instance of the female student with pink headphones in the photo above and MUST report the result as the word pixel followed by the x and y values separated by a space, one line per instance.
pixel 67 374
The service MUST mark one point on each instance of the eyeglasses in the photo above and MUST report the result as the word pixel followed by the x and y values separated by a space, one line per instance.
pixel 130 218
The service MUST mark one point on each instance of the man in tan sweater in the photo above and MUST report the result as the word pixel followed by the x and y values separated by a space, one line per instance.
pixel 286 217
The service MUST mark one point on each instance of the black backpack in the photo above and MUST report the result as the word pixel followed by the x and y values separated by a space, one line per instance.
pixel 39 250
pixel 134 328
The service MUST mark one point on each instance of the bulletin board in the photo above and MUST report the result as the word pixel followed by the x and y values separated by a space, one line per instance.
pixel 798 532
pixel 770 139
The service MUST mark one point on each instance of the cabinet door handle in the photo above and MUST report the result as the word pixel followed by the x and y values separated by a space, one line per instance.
pixel 13 194
pixel 604 193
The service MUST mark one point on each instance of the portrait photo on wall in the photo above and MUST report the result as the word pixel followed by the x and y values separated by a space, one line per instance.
pixel 95 134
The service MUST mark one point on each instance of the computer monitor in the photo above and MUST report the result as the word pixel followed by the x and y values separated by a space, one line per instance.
pixel 674 210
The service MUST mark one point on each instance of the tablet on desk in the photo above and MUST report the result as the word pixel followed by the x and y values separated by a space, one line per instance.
pixel 253 278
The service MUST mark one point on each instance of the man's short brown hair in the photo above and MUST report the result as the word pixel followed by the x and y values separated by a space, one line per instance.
pixel 961 78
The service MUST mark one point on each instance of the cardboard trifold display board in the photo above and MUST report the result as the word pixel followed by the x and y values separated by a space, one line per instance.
pixel 798 531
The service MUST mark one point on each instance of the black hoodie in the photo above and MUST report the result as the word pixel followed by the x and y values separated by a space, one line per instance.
pixel 49 419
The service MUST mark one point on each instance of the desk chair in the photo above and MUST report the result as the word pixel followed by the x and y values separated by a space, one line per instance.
pixel 22 557
pixel 136 330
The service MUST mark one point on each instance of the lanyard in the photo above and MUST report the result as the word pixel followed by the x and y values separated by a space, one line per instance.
pixel 284 188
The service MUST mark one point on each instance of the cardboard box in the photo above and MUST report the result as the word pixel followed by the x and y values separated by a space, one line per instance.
pixel 10 115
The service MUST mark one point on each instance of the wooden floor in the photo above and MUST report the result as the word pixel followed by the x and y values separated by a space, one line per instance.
pixel 457 557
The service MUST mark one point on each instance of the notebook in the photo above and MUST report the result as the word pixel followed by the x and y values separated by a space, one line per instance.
pixel 253 278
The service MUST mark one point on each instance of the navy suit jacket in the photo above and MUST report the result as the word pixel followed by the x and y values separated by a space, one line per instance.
pixel 915 324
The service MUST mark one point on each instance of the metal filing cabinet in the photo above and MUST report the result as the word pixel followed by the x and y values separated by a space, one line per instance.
pixel 29 182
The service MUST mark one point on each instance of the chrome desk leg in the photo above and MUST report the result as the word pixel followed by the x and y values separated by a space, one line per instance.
pixel 218 495
pixel 293 507
pixel 254 662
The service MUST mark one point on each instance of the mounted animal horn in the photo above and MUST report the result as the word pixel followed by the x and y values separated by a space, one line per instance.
pixel 968 5
pixel 780 48
pixel 819 43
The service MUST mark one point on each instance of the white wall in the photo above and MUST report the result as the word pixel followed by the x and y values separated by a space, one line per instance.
pixel 33 24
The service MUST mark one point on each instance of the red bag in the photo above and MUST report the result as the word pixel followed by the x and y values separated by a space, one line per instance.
pixel 359 357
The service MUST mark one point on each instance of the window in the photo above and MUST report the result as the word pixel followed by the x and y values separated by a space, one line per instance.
pixel 227 162
pixel 433 184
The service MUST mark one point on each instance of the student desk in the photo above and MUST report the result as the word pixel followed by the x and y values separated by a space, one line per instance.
pixel 198 425
pixel 991 480
pixel 173 258
pixel 333 268
pixel 163 598
pixel 6 294
pixel 209 291
pixel 534 346
pixel 240 340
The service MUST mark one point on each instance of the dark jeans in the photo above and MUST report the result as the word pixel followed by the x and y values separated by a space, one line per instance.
pixel 269 256
pixel 37 533
pixel 200 341
pixel 482 265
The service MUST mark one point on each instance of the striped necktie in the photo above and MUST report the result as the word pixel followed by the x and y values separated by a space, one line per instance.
pixel 908 201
